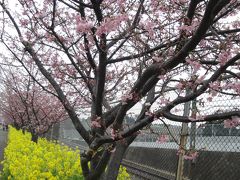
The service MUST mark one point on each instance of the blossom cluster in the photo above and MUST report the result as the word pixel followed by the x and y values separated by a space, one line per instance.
pixel 231 123
pixel 163 138
pixel 188 154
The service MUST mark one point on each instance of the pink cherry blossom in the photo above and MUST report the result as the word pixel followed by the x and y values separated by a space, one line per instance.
pixel 180 86
pixel 126 97
pixel 113 134
pixel 148 113
pixel 224 57
pixel 157 59
pixel 149 27
pixel 180 151
pixel 215 85
pixel 231 123
pixel 164 100
pixel 95 124
pixel 200 117
pixel 162 77
pixel 210 98
pixel 121 4
pixel 195 65
pixel 192 119
pixel 162 138
pixel 234 86
pixel 24 22
pixel 82 25
pixel 191 156
pixel 111 24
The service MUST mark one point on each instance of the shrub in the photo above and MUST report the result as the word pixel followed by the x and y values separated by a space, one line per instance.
pixel 123 175
pixel 26 160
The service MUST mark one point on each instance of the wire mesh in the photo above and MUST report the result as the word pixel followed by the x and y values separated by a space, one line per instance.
pixel 217 147
pixel 156 149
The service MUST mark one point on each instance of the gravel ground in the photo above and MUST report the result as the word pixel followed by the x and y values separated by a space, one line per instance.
pixel 3 143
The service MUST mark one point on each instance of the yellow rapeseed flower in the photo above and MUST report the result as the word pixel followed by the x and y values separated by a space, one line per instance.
pixel 26 160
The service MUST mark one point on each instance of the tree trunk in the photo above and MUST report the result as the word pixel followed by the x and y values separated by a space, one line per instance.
pixel 115 162
pixel 34 137
pixel 17 127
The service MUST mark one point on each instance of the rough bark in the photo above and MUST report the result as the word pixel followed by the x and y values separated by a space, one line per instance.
pixel 34 137
pixel 115 161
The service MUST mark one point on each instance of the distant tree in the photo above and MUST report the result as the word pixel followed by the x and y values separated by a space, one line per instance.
pixel 28 107
pixel 109 55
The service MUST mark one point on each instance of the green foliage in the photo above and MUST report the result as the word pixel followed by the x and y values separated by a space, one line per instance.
pixel 26 160
pixel 123 175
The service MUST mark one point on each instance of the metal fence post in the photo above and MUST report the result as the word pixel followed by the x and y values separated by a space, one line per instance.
pixel 183 140
pixel 193 125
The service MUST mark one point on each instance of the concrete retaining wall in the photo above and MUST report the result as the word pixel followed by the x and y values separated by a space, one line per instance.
pixel 208 166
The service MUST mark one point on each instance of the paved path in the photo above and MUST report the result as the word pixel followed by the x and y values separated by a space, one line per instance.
pixel 3 143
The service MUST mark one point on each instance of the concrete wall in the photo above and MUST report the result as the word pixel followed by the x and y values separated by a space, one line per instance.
pixel 208 166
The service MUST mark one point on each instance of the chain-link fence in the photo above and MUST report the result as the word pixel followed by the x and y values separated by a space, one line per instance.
pixel 198 151
pixel 218 151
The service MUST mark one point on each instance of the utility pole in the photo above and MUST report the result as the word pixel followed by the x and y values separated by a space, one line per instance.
pixel 193 125
pixel 183 140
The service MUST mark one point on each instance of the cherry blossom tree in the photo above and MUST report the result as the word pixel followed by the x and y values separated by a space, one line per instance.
pixel 110 55
pixel 28 107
